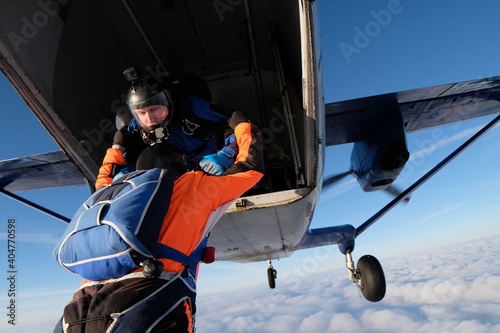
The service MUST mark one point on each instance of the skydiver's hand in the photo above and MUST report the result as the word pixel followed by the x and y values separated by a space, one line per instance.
pixel 230 139
pixel 216 164
pixel 123 138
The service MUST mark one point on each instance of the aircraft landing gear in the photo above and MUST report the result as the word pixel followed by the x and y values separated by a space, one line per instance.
pixel 272 275
pixel 369 276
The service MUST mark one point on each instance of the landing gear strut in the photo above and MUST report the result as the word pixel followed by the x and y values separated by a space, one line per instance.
pixel 272 275
pixel 369 276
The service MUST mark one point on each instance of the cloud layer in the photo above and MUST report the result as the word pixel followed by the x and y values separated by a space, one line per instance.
pixel 455 288
pixel 450 289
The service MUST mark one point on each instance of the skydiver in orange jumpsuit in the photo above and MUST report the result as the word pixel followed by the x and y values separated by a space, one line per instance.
pixel 134 303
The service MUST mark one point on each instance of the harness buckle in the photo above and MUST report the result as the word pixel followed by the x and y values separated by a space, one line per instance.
pixel 152 268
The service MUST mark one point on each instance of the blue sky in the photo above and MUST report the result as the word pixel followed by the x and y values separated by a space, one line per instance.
pixel 423 43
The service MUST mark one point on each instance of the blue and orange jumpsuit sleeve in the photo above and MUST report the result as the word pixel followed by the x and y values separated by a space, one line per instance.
pixel 113 157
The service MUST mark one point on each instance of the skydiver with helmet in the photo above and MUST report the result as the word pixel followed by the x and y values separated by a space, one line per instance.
pixel 162 297
pixel 164 131
pixel 152 110
pixel 179 112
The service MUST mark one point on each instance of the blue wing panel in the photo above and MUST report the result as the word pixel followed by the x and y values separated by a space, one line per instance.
pixel 36 172
pixel 424 108
pixel 327 236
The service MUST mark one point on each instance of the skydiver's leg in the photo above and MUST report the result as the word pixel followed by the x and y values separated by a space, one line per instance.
pixel 178 321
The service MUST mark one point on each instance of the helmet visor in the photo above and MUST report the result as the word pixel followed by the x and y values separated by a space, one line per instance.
pixel 157 99
pixel 152 112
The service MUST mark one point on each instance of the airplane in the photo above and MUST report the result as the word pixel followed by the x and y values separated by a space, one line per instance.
pixel 66 58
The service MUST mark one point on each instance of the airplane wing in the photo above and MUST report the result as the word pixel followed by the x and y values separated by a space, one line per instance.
pixel 69 73
pixel 37 172
pixel 421 109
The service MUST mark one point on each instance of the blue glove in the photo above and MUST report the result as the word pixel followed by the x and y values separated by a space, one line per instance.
pixel 230 139
pixel 216 164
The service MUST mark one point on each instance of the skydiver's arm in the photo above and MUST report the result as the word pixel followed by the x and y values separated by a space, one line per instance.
pixel 217 163
pixel 127 144
pixel 113 158
pixel 250 150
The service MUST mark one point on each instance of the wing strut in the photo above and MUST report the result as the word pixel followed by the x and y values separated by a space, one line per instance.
pixel 34 205
pixel 345 235
pixel 426 177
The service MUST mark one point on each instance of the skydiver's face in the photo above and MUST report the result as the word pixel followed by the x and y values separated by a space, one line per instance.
pixel 151 116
